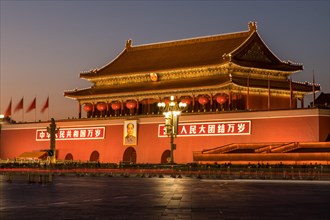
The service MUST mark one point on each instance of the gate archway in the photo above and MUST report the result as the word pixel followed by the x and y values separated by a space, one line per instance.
pixel 68 157
pixel 95 156
pixel 130 155
pixel 166 157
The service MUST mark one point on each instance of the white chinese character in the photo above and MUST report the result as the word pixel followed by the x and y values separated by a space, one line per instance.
pixel 76 133
pixel 201 129
pixel 90 133
pixel 97 132
pixel 231 128
pixel 48 135
pixel 221 128
pixel 42 135
pixel 68 133
pixel 211 129
pixel 193 129
pixel 241 127
pixel 82 133
pixel 183 130
pixel 62 133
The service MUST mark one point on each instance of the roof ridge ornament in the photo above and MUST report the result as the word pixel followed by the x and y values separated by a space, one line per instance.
pixel 252 26
pixel 128 43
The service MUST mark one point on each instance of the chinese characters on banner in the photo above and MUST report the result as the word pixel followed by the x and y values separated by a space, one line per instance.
pixel 73 134
pixel 210 129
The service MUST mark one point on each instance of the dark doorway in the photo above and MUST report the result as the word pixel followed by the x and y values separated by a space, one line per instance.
pixel 129 155
pixel 68 157
pixel 95 156
pixel 166 157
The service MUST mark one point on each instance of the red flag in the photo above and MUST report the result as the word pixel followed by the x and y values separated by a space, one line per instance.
pixel 46 105
pixel 32 105
pixel 8 110
pixel 19 106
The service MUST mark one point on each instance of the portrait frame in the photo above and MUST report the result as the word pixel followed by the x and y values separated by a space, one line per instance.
pixel 130 133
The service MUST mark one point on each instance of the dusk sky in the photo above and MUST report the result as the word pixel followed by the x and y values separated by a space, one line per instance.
pixel 45 45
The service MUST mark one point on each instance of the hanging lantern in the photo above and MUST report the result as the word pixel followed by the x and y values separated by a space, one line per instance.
pixel 167 101
pixel 101 106
pixel 130 104
pixel 88 107
pixel 115 106
pixel 203 100
pixel 221 99
pixel 186 100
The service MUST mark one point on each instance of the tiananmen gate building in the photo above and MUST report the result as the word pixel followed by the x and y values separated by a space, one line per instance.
pixel 242 107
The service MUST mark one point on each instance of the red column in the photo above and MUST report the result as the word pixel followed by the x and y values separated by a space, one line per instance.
pixel 193 103
pixel 79 110
pixel 137 106
pixel 268 93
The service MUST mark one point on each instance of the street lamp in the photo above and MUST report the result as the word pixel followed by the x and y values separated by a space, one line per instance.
pixel 171 111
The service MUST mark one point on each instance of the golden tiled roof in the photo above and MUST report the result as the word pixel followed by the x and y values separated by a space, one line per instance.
pixel 173 55
pixel 195 52
pixel 244 49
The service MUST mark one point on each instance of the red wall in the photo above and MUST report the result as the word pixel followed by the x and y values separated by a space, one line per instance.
pixel 301 125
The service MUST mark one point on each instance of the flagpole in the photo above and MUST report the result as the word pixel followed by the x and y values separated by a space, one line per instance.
pixel 11 106
pixel 35 110
pixel 23 110
pixel 48 108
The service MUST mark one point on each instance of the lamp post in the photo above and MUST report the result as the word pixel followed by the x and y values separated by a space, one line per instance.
pixel 52 130
pixel 171 111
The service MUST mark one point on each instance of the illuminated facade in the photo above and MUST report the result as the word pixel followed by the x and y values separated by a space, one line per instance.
pixel 242 106
pixel 235 71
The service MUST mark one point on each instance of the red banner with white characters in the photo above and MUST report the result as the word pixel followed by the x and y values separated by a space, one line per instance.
pixel 210 129
pixel 88 133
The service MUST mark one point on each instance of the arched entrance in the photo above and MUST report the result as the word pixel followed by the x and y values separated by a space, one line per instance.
pixel 130 155
pixel 95 156
pixel 166 157
pixel 68 157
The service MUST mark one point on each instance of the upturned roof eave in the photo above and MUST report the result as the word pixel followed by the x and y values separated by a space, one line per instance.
pixel 281 65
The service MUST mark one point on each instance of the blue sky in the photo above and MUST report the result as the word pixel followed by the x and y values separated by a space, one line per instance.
pixel 44 45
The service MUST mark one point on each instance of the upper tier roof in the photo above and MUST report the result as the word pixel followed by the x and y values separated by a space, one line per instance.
pixel 244 48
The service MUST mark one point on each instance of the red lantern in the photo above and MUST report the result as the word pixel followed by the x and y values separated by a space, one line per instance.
pixel 115 106
pixel 186 100
pixel 88 107
pixel 221 99
pixel 203 100
pixel 167 101
pixel 131 104
pixel 101 106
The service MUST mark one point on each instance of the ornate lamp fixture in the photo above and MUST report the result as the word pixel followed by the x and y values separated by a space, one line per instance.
pixel 171 111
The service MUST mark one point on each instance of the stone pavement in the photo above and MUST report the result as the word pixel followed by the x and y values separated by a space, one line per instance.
pixel 71 197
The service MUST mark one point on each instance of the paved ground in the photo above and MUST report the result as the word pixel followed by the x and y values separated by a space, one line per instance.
pixel 72 197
